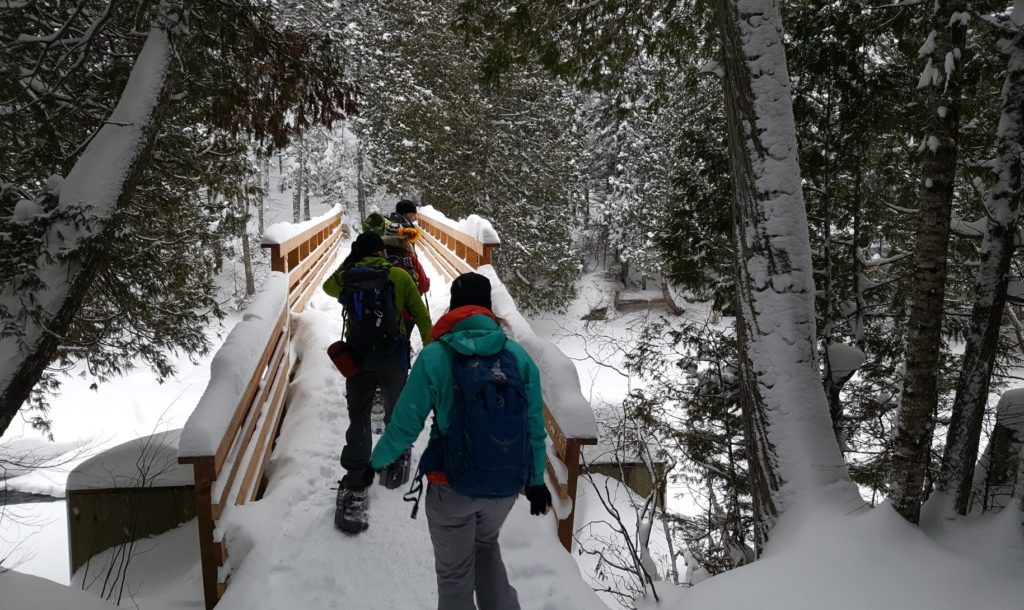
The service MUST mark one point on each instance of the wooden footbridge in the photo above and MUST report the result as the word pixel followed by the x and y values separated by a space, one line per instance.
pixel 233 434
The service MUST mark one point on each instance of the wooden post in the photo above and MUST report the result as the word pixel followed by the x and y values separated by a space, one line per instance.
pixel 487 257
pixel 209 553
pixel 572 462
pixel 277 262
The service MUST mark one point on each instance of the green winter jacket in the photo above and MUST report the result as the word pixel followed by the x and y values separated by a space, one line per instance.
pixel 407 295
pixel 430 388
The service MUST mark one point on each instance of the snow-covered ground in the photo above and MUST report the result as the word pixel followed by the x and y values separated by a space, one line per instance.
pixel 285 552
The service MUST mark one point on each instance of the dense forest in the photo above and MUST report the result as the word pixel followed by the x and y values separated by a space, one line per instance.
pixel 841 180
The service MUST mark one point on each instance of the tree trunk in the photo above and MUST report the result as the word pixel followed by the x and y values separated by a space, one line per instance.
pixel 791 448
pixel 990 283
pixel 304 172
pixel 915 422
pixel 250 283
pixel 264 193
pixel 118 153
pixel 360 192
pixel 297 185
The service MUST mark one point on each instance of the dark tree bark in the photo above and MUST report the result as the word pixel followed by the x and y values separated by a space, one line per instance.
pixel 990 284
pixel 915 423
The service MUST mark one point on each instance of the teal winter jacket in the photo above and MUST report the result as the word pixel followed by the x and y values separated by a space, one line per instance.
pixel 430 386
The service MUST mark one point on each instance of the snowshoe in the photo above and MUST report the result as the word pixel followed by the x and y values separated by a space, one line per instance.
pixel 397 473
pixel 377 414
pixel 350 509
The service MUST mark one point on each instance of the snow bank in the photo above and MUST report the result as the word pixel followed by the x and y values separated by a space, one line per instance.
pixel 559 379
pixel 844 360
pixel 232 368
pixel 150 461
pixel 163 572
pixel 1010 411
pixel 280 232
pixel 477 227
pixel 872 559
pixel 24 592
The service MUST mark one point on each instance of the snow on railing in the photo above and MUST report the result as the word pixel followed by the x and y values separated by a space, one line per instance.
pixel 457 246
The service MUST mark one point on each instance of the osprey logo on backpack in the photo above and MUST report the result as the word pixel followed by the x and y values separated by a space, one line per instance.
pixel 486 450
pixel 371 311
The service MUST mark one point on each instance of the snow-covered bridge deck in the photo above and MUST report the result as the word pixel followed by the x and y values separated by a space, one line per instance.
pixel 283 550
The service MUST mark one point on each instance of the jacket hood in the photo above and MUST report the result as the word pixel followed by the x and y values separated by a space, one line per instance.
pixel 470 330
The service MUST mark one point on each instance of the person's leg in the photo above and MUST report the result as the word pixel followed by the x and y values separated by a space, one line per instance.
pixel 452 523
pixel 355 456
pixel 493 591
pixel 392 374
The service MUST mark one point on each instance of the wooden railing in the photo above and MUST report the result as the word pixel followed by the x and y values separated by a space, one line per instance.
pixel 233 474
pixel 305 256
pixel 454 253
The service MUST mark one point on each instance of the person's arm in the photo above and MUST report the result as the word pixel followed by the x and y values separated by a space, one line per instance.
pixel 333 284
pixel 535 414
pixel 411 410
pixel 412 302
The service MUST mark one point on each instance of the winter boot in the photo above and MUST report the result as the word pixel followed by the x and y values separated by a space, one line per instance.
pixel 397 473
pixel 350 509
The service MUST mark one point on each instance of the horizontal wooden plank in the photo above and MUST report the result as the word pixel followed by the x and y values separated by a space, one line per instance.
pixel 247 397
pixel 470 242
pixel 293 243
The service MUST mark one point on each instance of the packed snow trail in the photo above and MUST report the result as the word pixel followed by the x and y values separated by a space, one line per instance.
pixel 284 549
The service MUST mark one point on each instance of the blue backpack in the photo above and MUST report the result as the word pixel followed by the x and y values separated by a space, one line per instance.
pixel 371 311
pixel 486 452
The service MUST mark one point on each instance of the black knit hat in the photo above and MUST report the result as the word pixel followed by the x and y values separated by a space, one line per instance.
pixel 405 207
pixel 367 244
pixel 471 289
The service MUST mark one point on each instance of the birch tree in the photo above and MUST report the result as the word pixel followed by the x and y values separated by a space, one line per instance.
pixel 915 421
pixel 990 283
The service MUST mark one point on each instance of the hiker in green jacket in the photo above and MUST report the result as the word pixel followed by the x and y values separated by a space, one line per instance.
pixel 373 294
pixel 464 523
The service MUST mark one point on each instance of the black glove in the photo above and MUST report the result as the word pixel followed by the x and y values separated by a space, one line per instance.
pixel 539 497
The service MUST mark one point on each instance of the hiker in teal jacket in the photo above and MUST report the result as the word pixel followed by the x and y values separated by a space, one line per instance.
pixel 464 530
pixel 383 365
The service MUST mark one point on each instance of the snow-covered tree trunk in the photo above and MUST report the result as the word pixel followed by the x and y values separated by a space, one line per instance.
pixel 915 424
pixel 101 181
pixel 990 284
pixel 792 451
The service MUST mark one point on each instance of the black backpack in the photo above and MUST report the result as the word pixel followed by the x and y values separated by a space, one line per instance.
pixel 403 260
pixel 371 311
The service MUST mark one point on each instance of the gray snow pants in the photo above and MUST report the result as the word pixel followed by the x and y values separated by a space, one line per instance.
pixel 467 558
